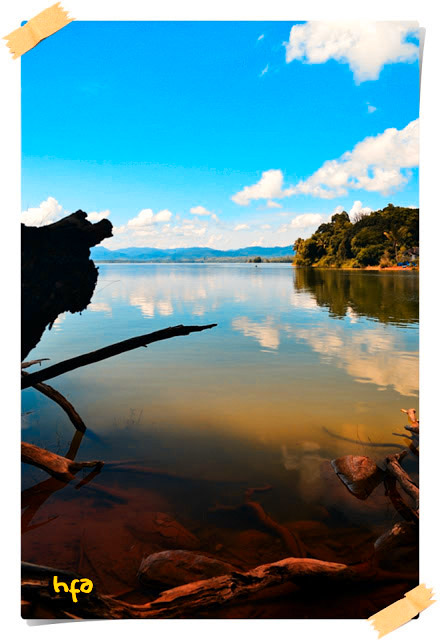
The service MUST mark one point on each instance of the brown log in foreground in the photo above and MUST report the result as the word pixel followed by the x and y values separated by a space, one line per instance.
pixel 183 601
pixel 60 468
pixel 196 598
pixel 108 352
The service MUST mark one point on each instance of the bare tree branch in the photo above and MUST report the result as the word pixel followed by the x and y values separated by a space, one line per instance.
pixel 108 352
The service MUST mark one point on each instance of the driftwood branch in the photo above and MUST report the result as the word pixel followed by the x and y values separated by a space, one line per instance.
pixel 195 598
pixel 108 352
pixel 393 466
pixel 60 468
pixel 408 513
pixel 34 497
pixel 180 602
pixel 61 401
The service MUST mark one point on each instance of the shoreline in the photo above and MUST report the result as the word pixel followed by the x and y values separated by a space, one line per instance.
pixel 368 268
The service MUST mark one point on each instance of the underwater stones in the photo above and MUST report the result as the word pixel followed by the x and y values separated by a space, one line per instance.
pixel 359 474
pixel 175 568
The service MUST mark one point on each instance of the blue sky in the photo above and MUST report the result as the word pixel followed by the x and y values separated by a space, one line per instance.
pixel 224 134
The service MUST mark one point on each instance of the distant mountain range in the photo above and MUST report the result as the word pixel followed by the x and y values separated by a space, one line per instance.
pixel 190 254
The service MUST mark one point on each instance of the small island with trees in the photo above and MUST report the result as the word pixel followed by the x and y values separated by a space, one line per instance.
pixel 387 238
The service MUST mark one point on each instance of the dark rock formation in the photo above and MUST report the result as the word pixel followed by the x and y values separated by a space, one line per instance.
pixel 57 274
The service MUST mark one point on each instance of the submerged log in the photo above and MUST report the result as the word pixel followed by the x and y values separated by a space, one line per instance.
pixel 60 468
pixel 57 274
pixel 196 598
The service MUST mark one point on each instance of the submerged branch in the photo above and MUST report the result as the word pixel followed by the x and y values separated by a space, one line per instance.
pixel 366 443
pixel 60 468
pixel 292 541
pixel 108 352
pixel 61 401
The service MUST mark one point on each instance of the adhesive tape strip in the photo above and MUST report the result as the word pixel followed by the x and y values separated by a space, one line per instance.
pixel 41 26
pixel 402 611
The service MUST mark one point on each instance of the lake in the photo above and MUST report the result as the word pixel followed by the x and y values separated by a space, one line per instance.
pixel 304 366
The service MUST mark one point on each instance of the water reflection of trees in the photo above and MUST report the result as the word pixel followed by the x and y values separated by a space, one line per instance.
pixel 390 297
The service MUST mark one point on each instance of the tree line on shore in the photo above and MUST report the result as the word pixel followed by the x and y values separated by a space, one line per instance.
pixel 383 238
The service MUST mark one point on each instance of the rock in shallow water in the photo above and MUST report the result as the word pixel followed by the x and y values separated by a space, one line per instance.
pixel 360 474
pixel 174 568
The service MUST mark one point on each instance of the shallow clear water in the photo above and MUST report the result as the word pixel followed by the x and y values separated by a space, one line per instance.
pixel 299 359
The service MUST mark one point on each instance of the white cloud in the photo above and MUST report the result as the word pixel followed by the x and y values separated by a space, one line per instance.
pixel 371 356
pixel 214 240
pixel 260 37
pixel 241 227
pixel 97 216
pixel 265 70
pixel 146 218
pixel 378 163
pixel 357 209
pixel 163 216
pixel 365 46
pixel 51 211
pixel 48 212
pixel 273 205
pixel 269 186
pixel 265 226
pixel 266 333
pixel 371 108
pixel 100 307
pixel 306 222
pixel 200 211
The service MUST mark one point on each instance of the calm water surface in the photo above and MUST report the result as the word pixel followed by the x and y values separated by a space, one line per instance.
pixel 298 358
